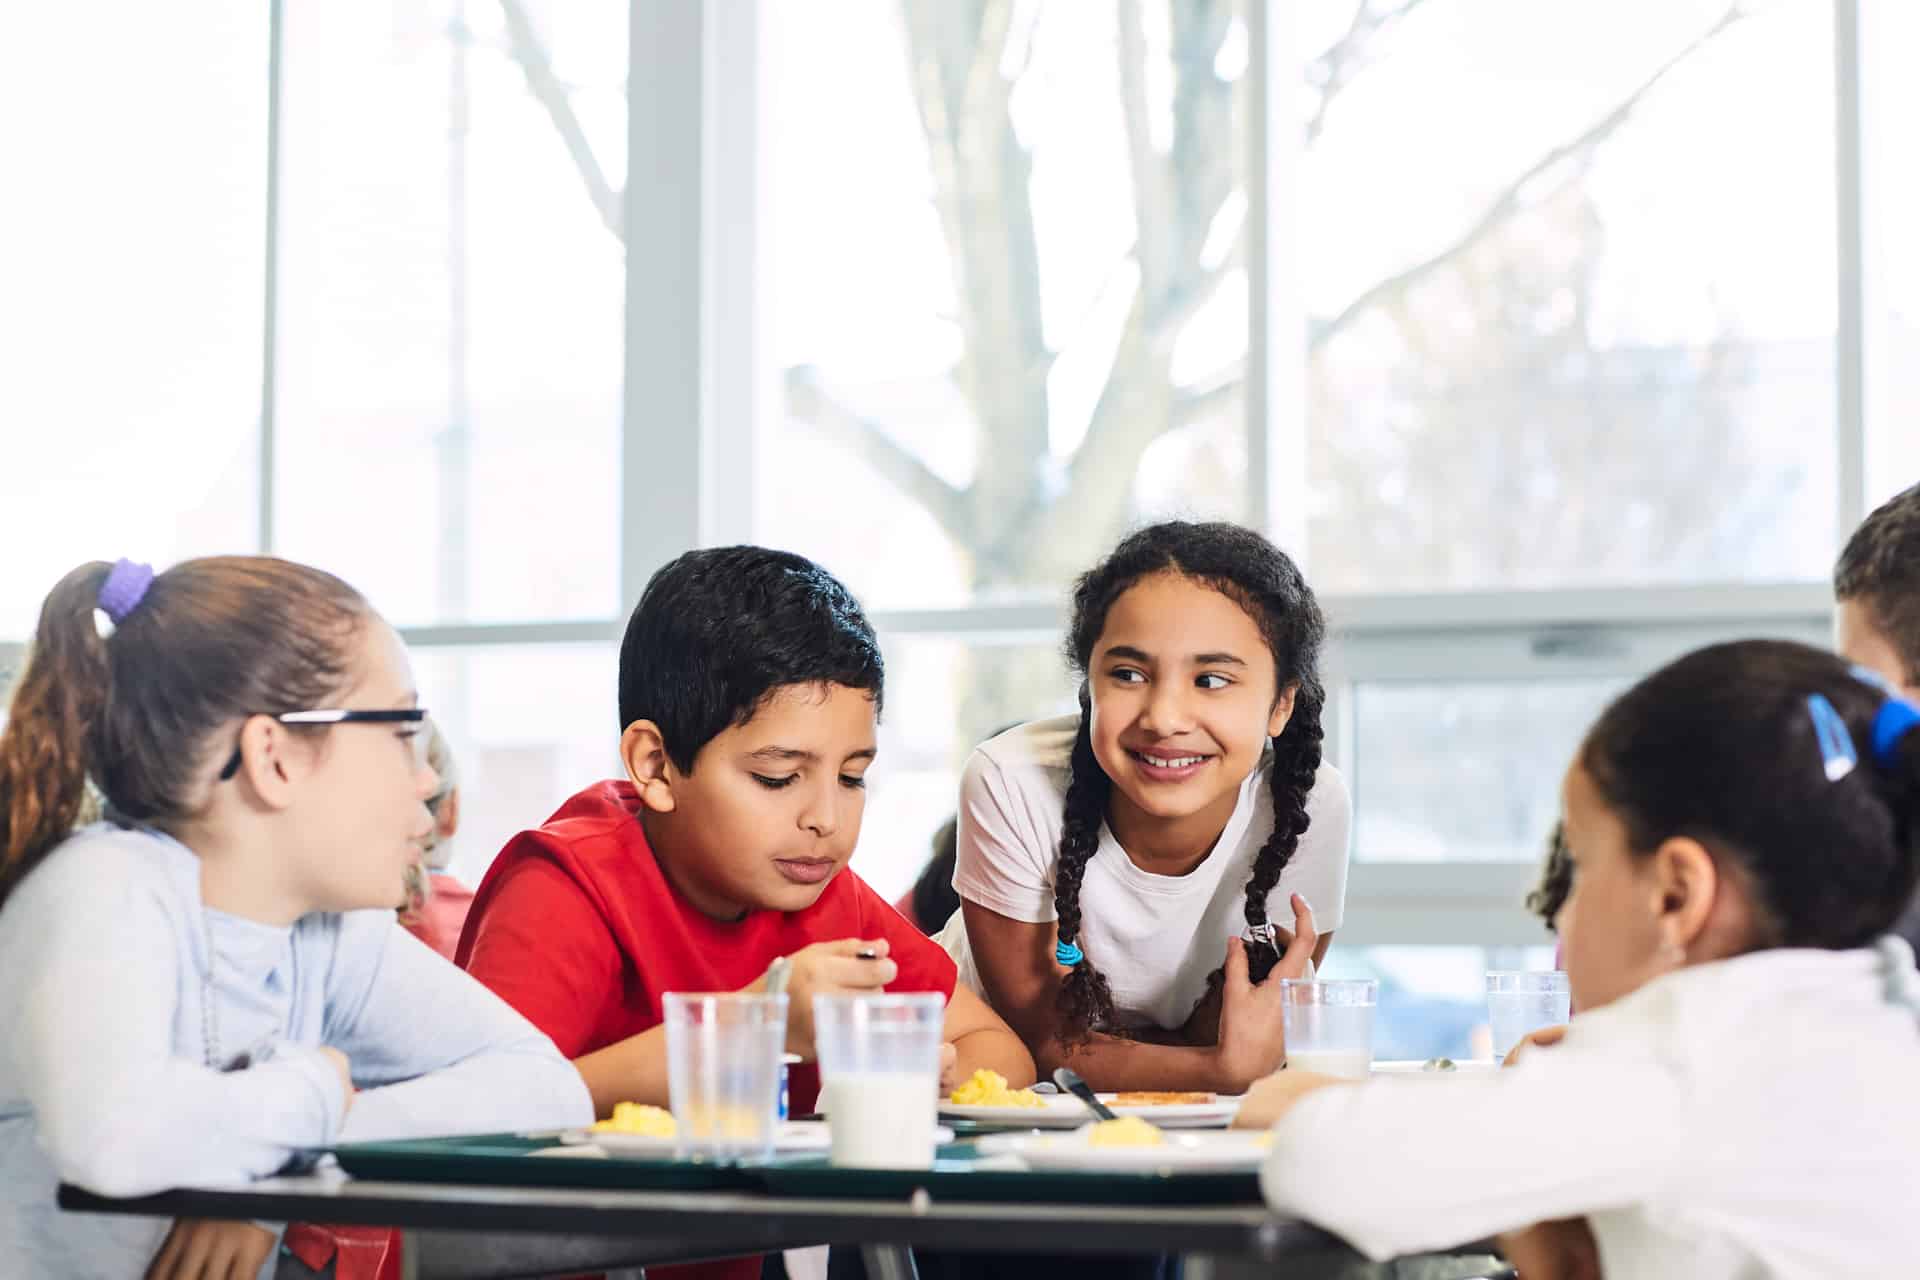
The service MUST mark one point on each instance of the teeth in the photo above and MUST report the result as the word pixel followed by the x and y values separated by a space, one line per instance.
pixel 1171 762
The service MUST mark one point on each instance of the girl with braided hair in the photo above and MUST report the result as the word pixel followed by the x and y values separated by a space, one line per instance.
pixel 1108 863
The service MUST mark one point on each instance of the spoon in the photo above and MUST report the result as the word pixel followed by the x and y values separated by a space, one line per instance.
pixel 1069 1080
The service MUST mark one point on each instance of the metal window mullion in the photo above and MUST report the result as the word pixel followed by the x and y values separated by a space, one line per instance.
pixel 665 398
pixel 1275 398
pixel 270 301
pixel 1850 327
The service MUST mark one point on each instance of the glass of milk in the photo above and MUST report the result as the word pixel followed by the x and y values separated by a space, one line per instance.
pixel 723 1073
pixel 1520 1002
pixel 880 1076
pixel 1329 1025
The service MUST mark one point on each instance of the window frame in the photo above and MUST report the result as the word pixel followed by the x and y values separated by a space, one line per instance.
pixel 695 390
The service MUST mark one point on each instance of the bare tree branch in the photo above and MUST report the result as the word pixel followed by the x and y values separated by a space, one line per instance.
pixel 1152 202
pixel 1218 392
pixel 545 86
pixel 808 398
pixel 1512 196
pixel 1341 61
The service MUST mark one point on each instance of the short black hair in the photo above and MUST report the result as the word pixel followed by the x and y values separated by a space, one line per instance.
pixel 1880 568
pixel 718 631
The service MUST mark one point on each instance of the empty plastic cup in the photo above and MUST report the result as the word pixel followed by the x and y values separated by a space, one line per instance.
pixel 880 1076
pixel 1329 1025
pixel 1519 1003
pixel 723 1073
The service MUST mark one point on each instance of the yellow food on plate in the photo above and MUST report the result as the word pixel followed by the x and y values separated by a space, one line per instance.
pixel 989 1089
pixel 1127 1131
pixel 635 1118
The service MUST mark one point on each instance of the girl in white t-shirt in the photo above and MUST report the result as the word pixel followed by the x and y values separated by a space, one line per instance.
pixel 1107 863
pixel 1735 1099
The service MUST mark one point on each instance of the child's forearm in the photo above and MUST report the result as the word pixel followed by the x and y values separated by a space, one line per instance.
pixel 1112 1064
pixel 633 1070
pixel 994 1049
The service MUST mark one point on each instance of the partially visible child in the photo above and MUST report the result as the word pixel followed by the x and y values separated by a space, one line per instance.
pixel 1877 587
pixel 212 982
pixel 749 691
pixel 1736 1096
pixel 437 902
pixel 1135 880
pixel 931 902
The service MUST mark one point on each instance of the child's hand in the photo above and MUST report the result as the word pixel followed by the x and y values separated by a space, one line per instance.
pixel 949 1069
pixel 1559 1250
pixel 1252 1041
pixel 198 1249
pixel 345 1068
pixel 829 968
pixel 1542 1038
pixel 1273 1097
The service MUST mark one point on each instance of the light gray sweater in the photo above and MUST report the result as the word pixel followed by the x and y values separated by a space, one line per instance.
pixel 104 1075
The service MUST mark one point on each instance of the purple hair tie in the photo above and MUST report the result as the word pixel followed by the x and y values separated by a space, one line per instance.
pixel 125 587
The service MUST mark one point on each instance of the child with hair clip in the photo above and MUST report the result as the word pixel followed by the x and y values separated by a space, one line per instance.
pixel 1107 863
pixel 1735 1099
pixel 213 983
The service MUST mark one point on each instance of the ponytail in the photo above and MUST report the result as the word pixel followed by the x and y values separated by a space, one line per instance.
pixel 135 715
pixel 48 743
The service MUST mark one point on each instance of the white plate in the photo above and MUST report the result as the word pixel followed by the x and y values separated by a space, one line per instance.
pixel 794 1136
pixel 1234 1152
pixel 1063 1112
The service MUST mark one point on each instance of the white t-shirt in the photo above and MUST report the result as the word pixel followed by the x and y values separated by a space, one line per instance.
pixel 1155 938
pixel 1753 1119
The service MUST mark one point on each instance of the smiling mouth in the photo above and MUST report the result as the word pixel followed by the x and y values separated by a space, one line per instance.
pixel 1166 764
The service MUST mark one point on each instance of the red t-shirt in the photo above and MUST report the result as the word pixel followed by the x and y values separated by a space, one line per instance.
pixel 576 926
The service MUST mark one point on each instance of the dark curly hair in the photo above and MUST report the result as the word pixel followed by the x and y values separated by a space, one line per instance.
pixel 1556 879
pixel 719 630
pixel 1262 580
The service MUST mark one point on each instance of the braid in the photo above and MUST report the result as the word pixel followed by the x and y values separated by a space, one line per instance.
pixel 1296 762
pixel 1085 1000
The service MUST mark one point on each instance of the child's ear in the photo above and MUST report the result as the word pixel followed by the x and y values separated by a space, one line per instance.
pixel 1686 885
pixel 1282 710
pixel 645 752
pixel 271 761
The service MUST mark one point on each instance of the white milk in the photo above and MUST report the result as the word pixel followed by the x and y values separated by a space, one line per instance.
pixel 881 1119
pixel 1353 1064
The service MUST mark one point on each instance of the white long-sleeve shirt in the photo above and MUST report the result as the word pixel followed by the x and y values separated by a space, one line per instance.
pixel 1754 1119
pixel 104 1080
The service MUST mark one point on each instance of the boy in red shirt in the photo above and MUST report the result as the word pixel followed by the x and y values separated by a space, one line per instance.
pixel 750 687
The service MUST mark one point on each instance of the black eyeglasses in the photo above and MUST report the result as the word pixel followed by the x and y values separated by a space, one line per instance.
pixel 336 715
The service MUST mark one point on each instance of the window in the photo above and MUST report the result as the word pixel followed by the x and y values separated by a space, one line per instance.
pixel 132 245
pixel 1570 399
pixel 1007 294
pixel 1890 201
pixel 528 726
pixel 450 324
pixel 1548 345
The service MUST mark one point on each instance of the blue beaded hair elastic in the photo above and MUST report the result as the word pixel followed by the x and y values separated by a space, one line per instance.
pixel 1067 954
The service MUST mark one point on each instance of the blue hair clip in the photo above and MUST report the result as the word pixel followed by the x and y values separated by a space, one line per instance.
pixel 1893 722
pixel 1836 742
pixel 1067 954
